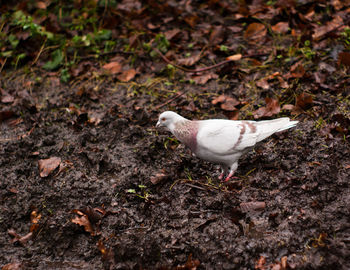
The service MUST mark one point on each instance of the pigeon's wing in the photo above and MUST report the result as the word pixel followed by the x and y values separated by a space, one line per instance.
pixel 225 137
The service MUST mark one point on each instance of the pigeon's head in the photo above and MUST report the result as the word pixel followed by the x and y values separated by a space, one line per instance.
pixel 168 119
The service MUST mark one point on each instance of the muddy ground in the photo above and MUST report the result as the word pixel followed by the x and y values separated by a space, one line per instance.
pixel 148 203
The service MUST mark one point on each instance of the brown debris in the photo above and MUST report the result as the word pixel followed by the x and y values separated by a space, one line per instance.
pixel 47 166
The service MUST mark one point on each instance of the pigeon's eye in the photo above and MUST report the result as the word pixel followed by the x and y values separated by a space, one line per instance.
pixel 163 119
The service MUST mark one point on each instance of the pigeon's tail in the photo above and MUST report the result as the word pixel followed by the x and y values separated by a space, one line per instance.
pixel 268 127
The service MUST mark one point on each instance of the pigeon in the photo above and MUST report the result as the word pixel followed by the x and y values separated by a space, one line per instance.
pixel 221 141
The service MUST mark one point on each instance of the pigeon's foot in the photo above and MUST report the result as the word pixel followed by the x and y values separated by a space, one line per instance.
pixel 230 176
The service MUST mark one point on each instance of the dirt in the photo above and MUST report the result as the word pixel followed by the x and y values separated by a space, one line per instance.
pixel 289 206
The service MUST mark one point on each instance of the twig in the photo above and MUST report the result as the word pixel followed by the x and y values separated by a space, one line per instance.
pixel 191 70
pixel 39 53
pixel 170 100
pixel 194 186
pixel 2 66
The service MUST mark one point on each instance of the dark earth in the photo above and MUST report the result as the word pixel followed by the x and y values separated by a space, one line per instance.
pixel 122 194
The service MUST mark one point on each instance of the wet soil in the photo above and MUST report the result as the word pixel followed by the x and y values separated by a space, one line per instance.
pixel 149 204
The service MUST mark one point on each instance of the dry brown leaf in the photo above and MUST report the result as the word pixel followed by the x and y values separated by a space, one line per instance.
pixel 219 99
pixel 232 115
pixel 322 30
pixel 6 97
pixel 12 266
pixel 297 70
pixel 83 220
pixel 304 101
pixel 280 28
pixel 216 35
pixel 203 79
pixel 172 34
pixel 46 166
pixel 255 32
pixel 127 75
pixel 191 20
pixel 113 67
pixel 234 57
pixel 272 108
pixel 41 5
pixel 288 107
pixel 158 177
pixel 229 104
pixel 263 83
pixel 34 218
pixel 283 83
pixel 260 264
pixel 189 61
pixel 284 262
pixel 252 206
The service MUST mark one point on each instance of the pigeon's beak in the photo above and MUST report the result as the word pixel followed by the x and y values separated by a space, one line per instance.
pixel 158 124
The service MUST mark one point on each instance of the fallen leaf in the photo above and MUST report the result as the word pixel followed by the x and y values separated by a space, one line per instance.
pixel 252 206
pixel 263 83
pixel 232 115
pixel 12 266
pixel 283 83
pixel 304 101
pixel 189 61
pixel 107 253
pixel 344 58
pixel 113 67
pixel 260 264
pixel 234 57
pixel 46 166
pixel 219 99
pixel 284 262
pixel 127 75
pixel 255 32
pixel 288 107
pixel 226 103
pixel 170 34
pixel 203 79
pixel 6 97
pixel 191 20
pixel 34 218
pixel 280 28
pixel 41 5
pixel 94 214
pixel 216 35
pixel 229 104
pixel 322 30
pixel 83 220
pixel 297 70
pixel 272 108
pixel 158 177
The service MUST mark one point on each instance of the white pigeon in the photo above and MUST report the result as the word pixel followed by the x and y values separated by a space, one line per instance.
pixel 221 141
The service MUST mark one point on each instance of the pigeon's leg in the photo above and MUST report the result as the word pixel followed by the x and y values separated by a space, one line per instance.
pixel 224 170
pixel 233 168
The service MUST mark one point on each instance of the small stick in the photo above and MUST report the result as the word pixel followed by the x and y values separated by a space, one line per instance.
pixel 191 70
pixel 170 100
